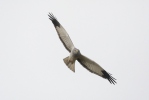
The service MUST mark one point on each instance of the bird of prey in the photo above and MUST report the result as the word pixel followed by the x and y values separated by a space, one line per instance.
pixel 75 54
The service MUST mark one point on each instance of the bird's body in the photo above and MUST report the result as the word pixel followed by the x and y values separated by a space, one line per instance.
pixel 70 60
pixel 75 54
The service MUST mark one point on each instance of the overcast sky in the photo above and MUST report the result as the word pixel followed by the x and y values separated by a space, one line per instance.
pixel 114 33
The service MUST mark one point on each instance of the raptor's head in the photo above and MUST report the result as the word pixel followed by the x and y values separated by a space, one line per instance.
pixel 76 52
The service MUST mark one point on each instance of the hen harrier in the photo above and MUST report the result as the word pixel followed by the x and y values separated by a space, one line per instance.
pixel 75 54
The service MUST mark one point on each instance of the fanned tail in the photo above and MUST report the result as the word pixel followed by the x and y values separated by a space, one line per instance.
pixel 70 65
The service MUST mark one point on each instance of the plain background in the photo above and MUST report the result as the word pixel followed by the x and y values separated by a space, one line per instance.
pixel 114 33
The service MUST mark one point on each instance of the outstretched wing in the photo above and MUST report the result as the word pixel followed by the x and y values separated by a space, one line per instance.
pixel 95 68
pixel 64 37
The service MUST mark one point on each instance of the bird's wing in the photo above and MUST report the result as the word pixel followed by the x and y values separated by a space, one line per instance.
pixel 95 68
pixel 64 37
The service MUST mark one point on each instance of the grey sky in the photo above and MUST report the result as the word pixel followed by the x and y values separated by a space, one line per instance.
pixel 113 33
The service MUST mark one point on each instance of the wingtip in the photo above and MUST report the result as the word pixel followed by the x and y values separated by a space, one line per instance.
pixel 109 77
pixel 51 16
pixel 54 20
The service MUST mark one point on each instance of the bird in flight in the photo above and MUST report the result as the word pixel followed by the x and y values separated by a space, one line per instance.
pixel 75 54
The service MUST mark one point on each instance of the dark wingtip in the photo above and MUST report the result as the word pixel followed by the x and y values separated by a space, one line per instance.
pixel 109 77
pixel 54 20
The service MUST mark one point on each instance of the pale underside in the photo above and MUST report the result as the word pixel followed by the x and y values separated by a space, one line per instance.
pixel 87 63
